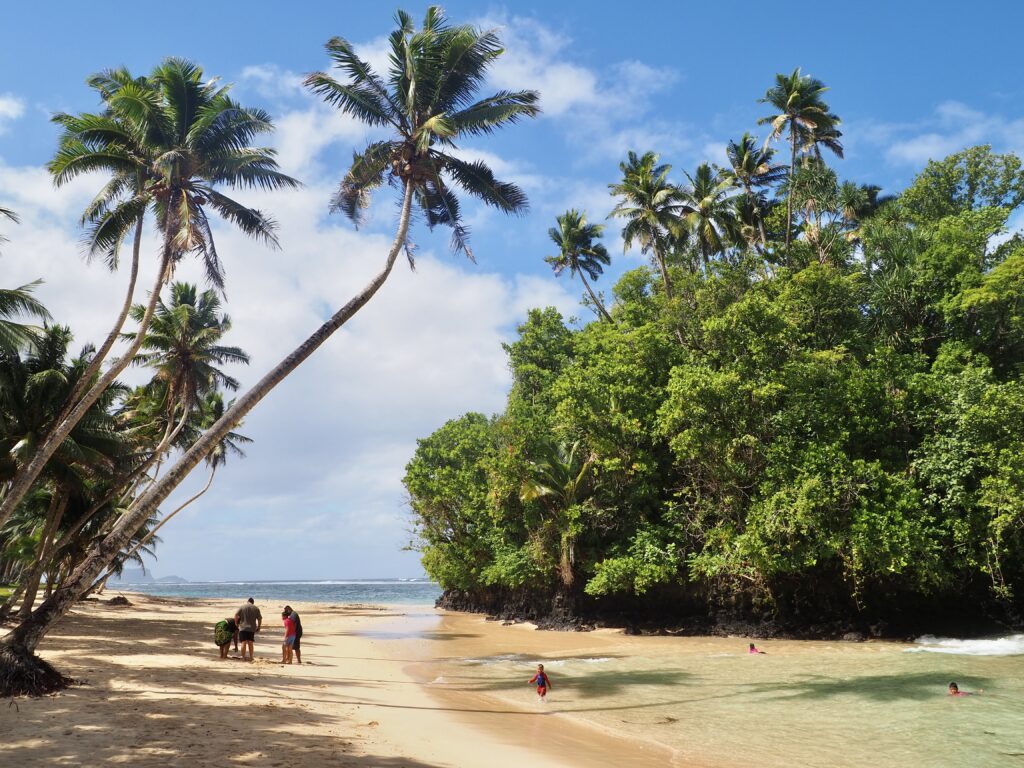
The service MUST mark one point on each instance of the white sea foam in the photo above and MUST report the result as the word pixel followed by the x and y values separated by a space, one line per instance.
pixel 1011 645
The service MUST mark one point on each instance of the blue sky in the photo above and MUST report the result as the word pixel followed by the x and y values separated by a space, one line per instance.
pixel 911 80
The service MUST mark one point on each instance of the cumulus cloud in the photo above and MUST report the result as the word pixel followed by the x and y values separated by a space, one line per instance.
pixel 323 479
pixel 11 108
pixel 952 126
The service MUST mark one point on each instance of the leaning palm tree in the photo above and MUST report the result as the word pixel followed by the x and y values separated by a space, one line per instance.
pixel 579 253
pixel 651 206
pixel 752 169
pixel 168 143
pixel 211 409
pixel 805 115
pixel 428 104
pixel 711 213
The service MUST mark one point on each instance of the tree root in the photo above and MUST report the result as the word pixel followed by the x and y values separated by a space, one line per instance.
pixel 25 674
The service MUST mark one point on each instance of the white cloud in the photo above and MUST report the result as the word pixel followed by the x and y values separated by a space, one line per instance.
pixel 952 127
pixel 11 108
pixel 332 440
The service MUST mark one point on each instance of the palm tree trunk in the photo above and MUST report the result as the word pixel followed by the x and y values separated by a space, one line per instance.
pixel 792 185
pixel 162 523
pixel 12 600
pixel 115 332
pixel 664 271
pixel 600 306
pixel 58 502
pixel 26 636
pixel 25 477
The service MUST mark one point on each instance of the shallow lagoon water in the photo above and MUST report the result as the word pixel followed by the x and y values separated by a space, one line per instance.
pixel 801 704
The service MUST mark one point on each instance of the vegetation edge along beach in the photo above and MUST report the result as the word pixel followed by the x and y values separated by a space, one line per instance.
pixel 804 416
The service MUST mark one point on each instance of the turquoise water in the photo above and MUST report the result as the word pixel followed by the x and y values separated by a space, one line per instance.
pixel 384 591
pixel 805 703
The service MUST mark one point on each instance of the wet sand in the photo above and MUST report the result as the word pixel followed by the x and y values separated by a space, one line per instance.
pixel 156 692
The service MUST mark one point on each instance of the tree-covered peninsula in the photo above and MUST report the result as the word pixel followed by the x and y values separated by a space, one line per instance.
pixel 806 413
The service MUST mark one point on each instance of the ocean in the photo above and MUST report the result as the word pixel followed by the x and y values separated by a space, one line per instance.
pixel 383 591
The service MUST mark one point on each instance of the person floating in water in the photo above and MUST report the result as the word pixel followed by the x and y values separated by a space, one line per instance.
pixel 754 649
pixel 954 690
pixel 543 682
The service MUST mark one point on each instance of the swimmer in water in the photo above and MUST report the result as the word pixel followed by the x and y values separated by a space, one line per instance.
pixel 954 690
pixel 754 649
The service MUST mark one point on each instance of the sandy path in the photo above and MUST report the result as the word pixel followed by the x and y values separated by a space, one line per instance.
pixel 156 693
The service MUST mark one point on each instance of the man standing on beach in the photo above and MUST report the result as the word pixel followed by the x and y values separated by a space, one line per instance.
pixel 250 621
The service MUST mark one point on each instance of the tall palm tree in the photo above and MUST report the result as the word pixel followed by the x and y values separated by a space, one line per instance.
pixel 651 207
pixel 711 213
pixel 802 112
pixel 751 168
pixel 427 102
pixel 168 142
pixel 579 253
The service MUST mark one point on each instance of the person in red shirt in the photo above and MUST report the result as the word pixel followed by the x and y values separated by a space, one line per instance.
pixel 543 682
pixel 289 638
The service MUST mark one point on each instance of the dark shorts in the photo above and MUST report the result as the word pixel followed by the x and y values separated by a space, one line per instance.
pixel 246 635
pixel 542 690
pixel 296 645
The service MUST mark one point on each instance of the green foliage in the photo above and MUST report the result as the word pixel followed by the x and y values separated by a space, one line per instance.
pixel 840 417
pixel 971 179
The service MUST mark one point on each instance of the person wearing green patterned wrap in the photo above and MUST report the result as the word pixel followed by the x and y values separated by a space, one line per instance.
pixel 223 633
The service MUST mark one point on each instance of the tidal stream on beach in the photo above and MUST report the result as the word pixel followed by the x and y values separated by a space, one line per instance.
pixel 803 703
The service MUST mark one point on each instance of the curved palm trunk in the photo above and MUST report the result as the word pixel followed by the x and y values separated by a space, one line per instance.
pixel 26 636
pixel 34 576
pixel 162 523
pixel 593 297
pixel 24 479
pixel 115 332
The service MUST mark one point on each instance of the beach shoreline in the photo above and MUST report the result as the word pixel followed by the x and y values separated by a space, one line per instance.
pixel 153 688
pixel 417 687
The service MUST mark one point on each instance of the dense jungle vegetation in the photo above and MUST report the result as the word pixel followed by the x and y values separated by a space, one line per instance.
pixel 808 410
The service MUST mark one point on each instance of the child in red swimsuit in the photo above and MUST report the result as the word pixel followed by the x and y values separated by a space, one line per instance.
pixel 543 682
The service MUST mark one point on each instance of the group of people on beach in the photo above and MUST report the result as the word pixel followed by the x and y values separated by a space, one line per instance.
pixel 241 630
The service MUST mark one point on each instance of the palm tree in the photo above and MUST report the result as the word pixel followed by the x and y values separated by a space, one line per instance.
pixel 19 302
pixel 211 409
pixel 579 253
pixel 167 142
pixel 859 202
pixel 751 168
pixel 32 392
pixel 711 213
pixel 182 347
pixel 564 482
pixel 7 213
pixel 805 115
pixel 651 206
pixel 427 102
